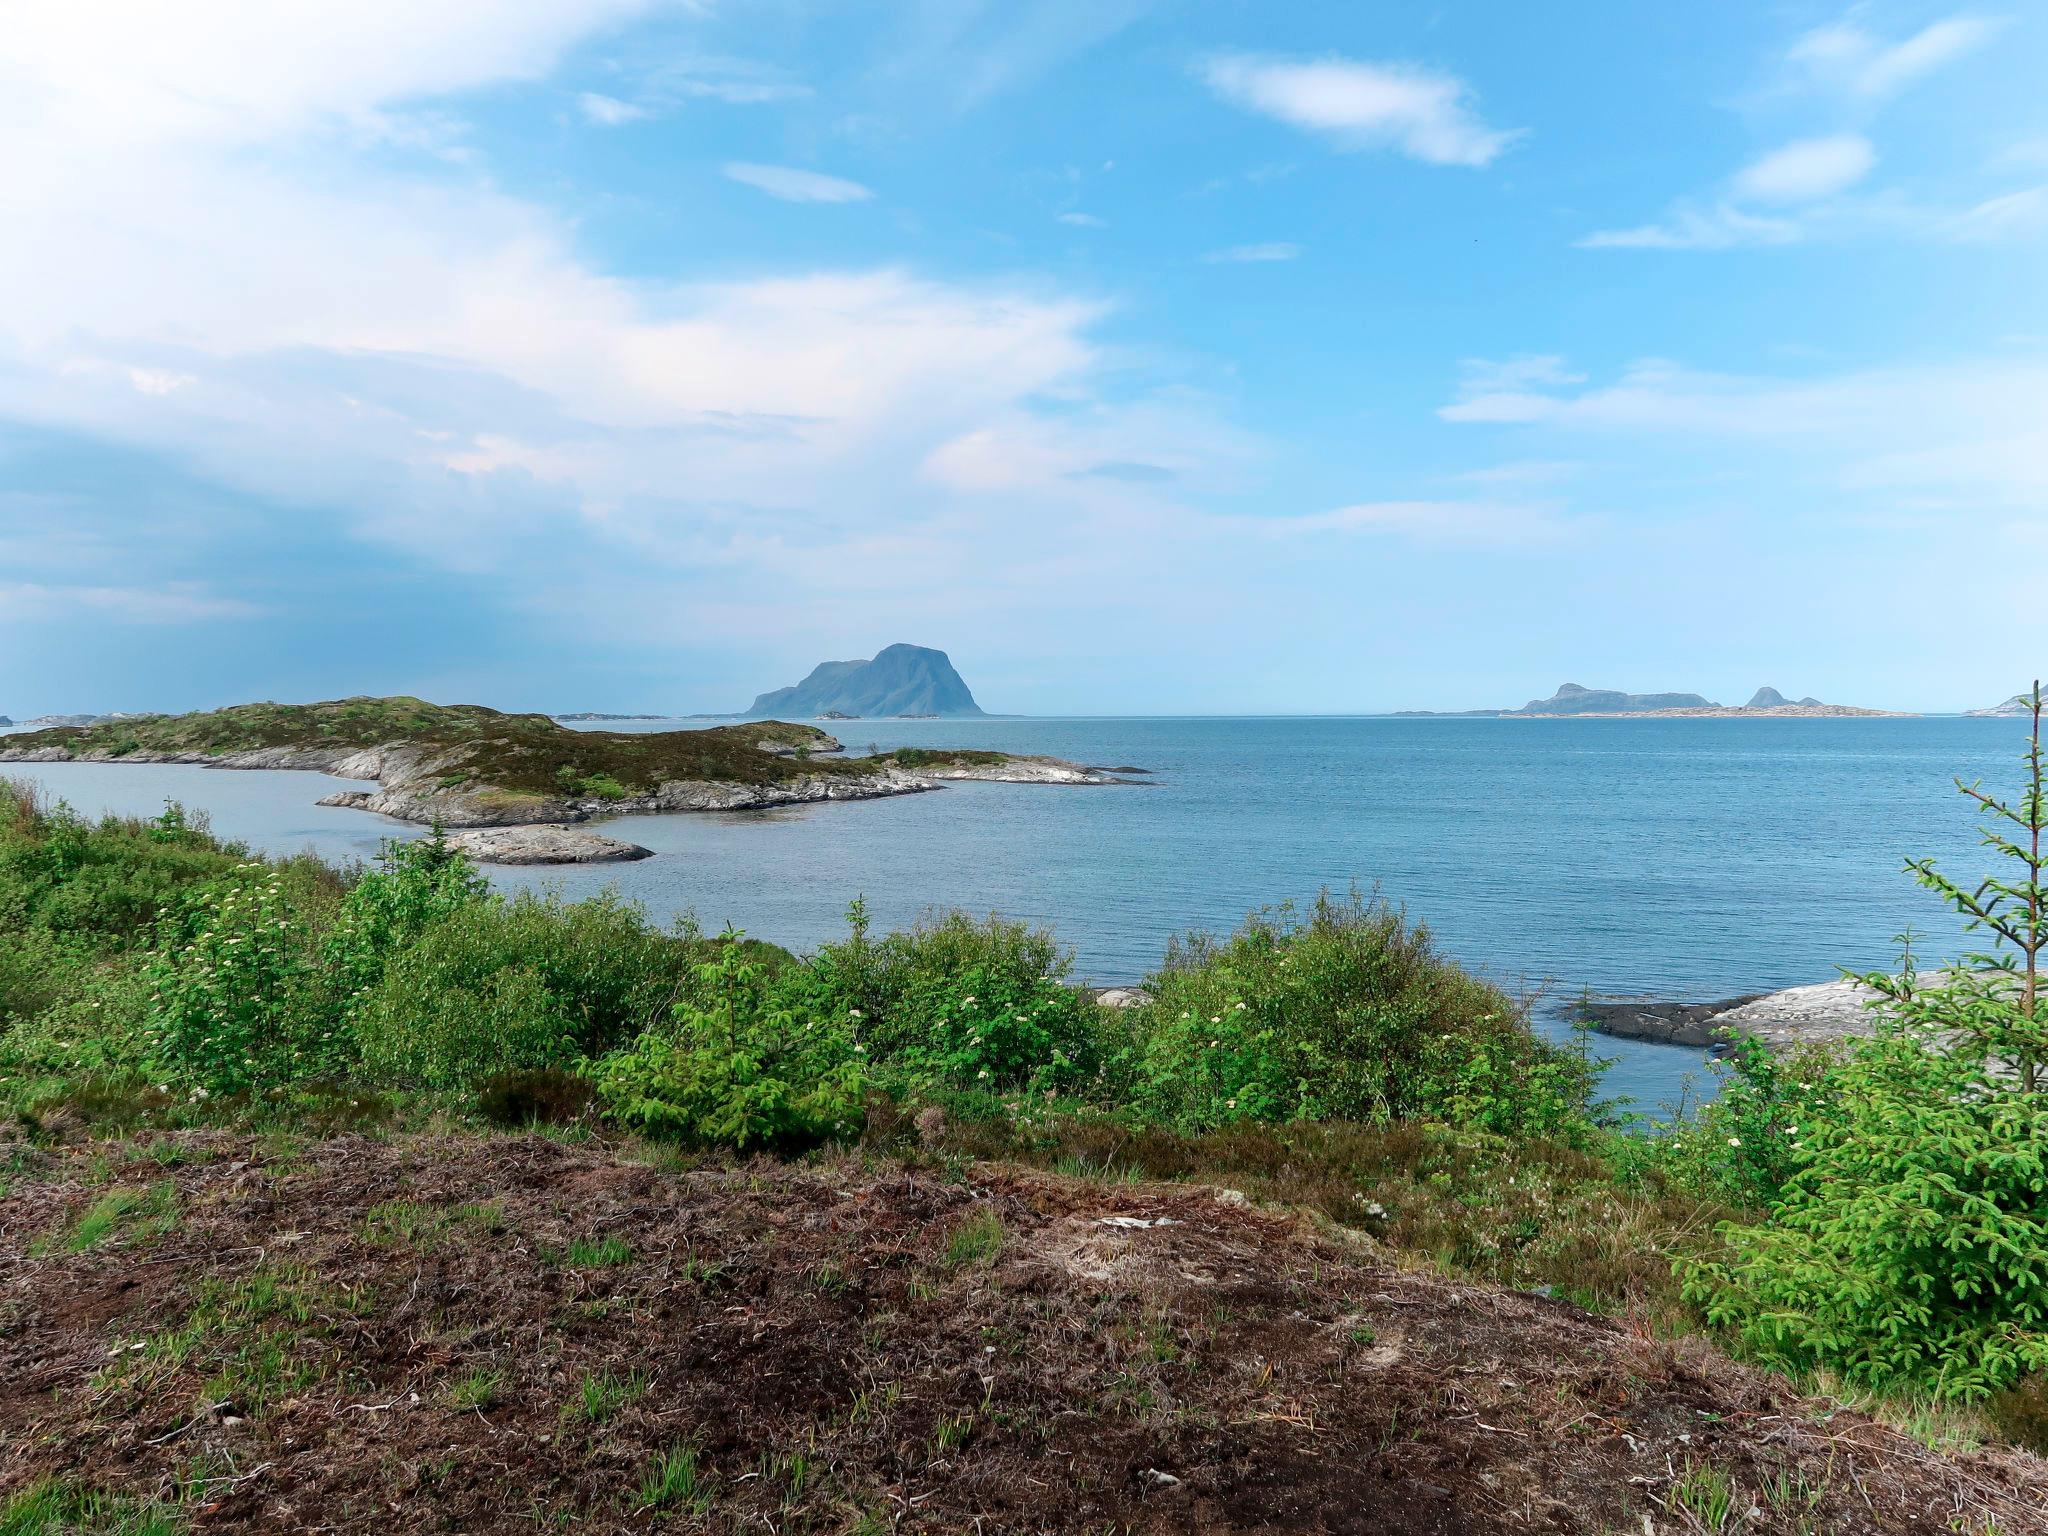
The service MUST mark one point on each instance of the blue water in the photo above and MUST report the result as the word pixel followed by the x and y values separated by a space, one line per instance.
pixel 1677 859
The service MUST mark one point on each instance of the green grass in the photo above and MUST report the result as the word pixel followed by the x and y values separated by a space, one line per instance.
pixel 599 1398
pixel 674 1481
pixel 597 1253
pixel 975 1240
pixel 139 1213
pixel 476 1390
pixel 61 1509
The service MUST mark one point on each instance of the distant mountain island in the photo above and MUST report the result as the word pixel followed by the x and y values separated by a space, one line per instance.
pixel 1573 701
pixel 900 680
pixel 2018 704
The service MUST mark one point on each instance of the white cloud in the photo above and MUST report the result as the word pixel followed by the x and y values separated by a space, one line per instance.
pixel 1717 227
pixel 403 351
pixel 792 185
pixel 1806 169
pixel 1364 105
pixel 1082 220
pixel 1966 434
pixel 609 111
pixel 1850 59
pixel 1463 524
pixel 1272 250
pixel 2000 218
pixel 173 603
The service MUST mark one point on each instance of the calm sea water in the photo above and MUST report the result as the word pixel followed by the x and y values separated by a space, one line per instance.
pixel 1677 859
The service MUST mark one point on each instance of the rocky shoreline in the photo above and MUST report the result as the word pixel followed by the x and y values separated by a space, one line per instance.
pixel 1824 1013
pixel 413 786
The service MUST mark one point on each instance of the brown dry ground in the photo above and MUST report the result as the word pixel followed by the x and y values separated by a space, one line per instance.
pixel 503 1333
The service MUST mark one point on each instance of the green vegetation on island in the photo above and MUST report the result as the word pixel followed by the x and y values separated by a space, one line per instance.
pixel 262 1093
pixel 467 765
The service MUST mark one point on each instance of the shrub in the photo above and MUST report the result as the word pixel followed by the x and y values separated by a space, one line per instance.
pixel 227 985
pixel 955 1002
pixel 416 885
pixel 735 1071
pixel 1743 1146
pixel 498 985
pixel 1349 1014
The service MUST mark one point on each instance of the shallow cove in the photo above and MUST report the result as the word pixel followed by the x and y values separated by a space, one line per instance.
pixel 1671 858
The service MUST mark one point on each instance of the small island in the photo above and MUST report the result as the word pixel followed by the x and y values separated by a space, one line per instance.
pixel 468 766
pixel 1573 702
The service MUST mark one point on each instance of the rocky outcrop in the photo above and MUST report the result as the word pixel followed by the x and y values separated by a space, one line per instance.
pixel 1121 997
pixel 543 845
pixel 1690 1024
pixel 1025 770
pixel 1824 1013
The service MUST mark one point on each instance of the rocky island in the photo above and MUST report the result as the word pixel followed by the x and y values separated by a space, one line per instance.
pixel 901 681
pixel 1573 702
pixel 467 766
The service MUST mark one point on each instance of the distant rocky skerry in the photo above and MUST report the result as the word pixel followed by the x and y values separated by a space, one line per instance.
pixel 465 766
pixel 1573 702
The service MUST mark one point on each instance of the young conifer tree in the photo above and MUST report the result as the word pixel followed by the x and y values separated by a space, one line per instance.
pixel 1910 1246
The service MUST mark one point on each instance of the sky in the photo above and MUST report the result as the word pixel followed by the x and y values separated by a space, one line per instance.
pixel 1204 357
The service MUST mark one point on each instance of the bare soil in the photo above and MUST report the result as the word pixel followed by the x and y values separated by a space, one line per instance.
pixel 483 1334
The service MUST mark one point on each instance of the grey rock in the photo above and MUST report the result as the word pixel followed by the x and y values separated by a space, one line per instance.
pixel 1121 997
pixel 543 845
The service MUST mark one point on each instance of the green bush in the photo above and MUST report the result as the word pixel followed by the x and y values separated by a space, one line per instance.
pixel 1349 1014
pixel 955 1003
pixel 493 985
pixel 228 988
pixel 734 1070
pixel 1743 1145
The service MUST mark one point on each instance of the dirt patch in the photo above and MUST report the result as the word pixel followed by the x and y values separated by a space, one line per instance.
pixel 481 1334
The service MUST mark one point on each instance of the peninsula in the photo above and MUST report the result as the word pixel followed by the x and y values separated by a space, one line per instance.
pixel 466 766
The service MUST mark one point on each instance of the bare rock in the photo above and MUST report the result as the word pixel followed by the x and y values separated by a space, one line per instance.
pixel 1121 997
pixel 543 845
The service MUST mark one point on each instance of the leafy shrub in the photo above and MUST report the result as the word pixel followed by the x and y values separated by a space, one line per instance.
pixel 226 985
pixel 1349 1014
pixel 495 985
pixel 416 885
pixel 1911 1246
pixel 1744 1145
pixel 734 1070
pixel 955 1002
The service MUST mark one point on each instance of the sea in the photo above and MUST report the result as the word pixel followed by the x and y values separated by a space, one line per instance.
pixel 1669 859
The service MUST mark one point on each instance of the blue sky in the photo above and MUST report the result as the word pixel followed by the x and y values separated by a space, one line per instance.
pixel 1147 357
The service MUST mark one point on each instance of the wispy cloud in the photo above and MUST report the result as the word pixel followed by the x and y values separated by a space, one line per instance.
pixel 1955 435
pixel 1271 250
pixel 609 111
pixel 1359 104
pixel 174 603
pixel 1847 57
pixel 1806 169
pixel 1082 220
pixel 792 185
